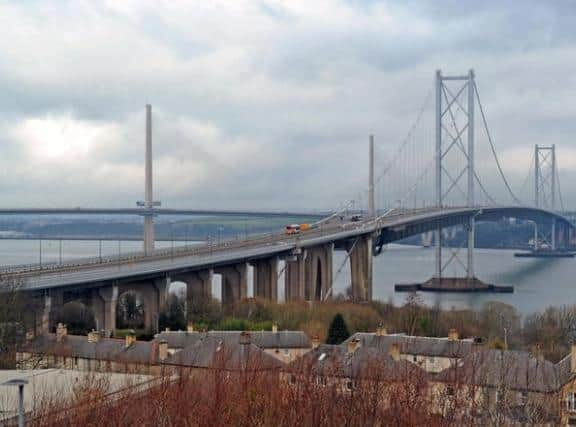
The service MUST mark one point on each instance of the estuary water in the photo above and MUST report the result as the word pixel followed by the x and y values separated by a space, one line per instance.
pixel 538 283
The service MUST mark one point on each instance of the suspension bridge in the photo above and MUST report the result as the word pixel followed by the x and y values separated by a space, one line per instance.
pixel 429 184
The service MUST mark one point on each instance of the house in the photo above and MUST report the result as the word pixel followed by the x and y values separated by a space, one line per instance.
pixel 210 352
pixel 498 386
pixel 285 346
pixel 92 353
pixel 351 366
pixel 430 353
pixel 566 377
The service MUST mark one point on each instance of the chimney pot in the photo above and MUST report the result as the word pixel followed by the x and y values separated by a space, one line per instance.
pixel 274 327
pixel 130 338
pixel 94 336
pixel 190 327
pixel 315 341
pixel 353 345
pixel 395 351
pixel 162 350
pixel 453 335
pixel 61 332
pixel 381 331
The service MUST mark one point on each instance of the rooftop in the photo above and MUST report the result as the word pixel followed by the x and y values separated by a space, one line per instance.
pixel 213 352
pixel 262 339
pixel 415 345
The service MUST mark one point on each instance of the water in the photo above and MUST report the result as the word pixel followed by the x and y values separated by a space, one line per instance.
pixel 538 283
pixel 13 252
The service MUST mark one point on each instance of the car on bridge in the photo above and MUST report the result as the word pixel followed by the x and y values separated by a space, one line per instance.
pixel 293 229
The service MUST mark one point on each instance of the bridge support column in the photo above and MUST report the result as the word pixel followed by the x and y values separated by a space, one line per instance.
pixel 360 252
pixel 53 300
pixel 105 301
pixel 234 283
pixel 198 291
pixel 318 272
pixel 295 277
pixel 266 278
pixel 155 295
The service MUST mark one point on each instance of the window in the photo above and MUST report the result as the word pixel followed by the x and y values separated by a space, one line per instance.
pixel 523 398
pixel 415 358
pixel 321 381
pixel 350 385
pixel 292 379
pixel 449 390
pixel 322 357
pixel 571 401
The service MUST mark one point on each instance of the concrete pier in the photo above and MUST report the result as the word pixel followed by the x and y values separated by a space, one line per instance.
pixel 266 279
pixel 360 251
pixel 104 305
pixel 318 273
pixel 198 290
pixel 234 283
pixel 295 277
pixel 453 284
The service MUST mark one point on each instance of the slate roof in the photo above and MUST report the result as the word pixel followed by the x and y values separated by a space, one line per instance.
pixel 515 370
pixel 213 352
pixel 364 362
pixel 142 352
pixel 424 346
pixel 262 339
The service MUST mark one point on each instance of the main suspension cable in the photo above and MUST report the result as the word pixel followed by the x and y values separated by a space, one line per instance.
pixel 516 200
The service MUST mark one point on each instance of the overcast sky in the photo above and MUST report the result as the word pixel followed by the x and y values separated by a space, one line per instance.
pixel 264 104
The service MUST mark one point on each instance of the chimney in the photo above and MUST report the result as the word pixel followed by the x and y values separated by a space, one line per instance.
pixel 167 330
pixel 245 338
pixel 315 341
pixel 163 350
pixel 353 345
pixel 61 332
pixel 274 327
pixel 537 351
pixel 30 335
pixel 381 331
pixel 130 338
pixel 395 351
pixel 453 335
pixel 94 336
pixel 190 327
pixel 573 358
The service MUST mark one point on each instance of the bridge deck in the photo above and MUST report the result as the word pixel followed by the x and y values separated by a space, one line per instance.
pixel 396 224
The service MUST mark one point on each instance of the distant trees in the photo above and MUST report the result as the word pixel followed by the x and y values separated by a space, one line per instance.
pixel 78 318
pixel 16 317
pixel 338 331
pixel 130 311
pixel 174 317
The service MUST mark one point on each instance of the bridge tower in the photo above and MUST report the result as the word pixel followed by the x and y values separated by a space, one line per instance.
pixel 148 204
pixel 454 118
pixel 545 176
pixel 371 201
